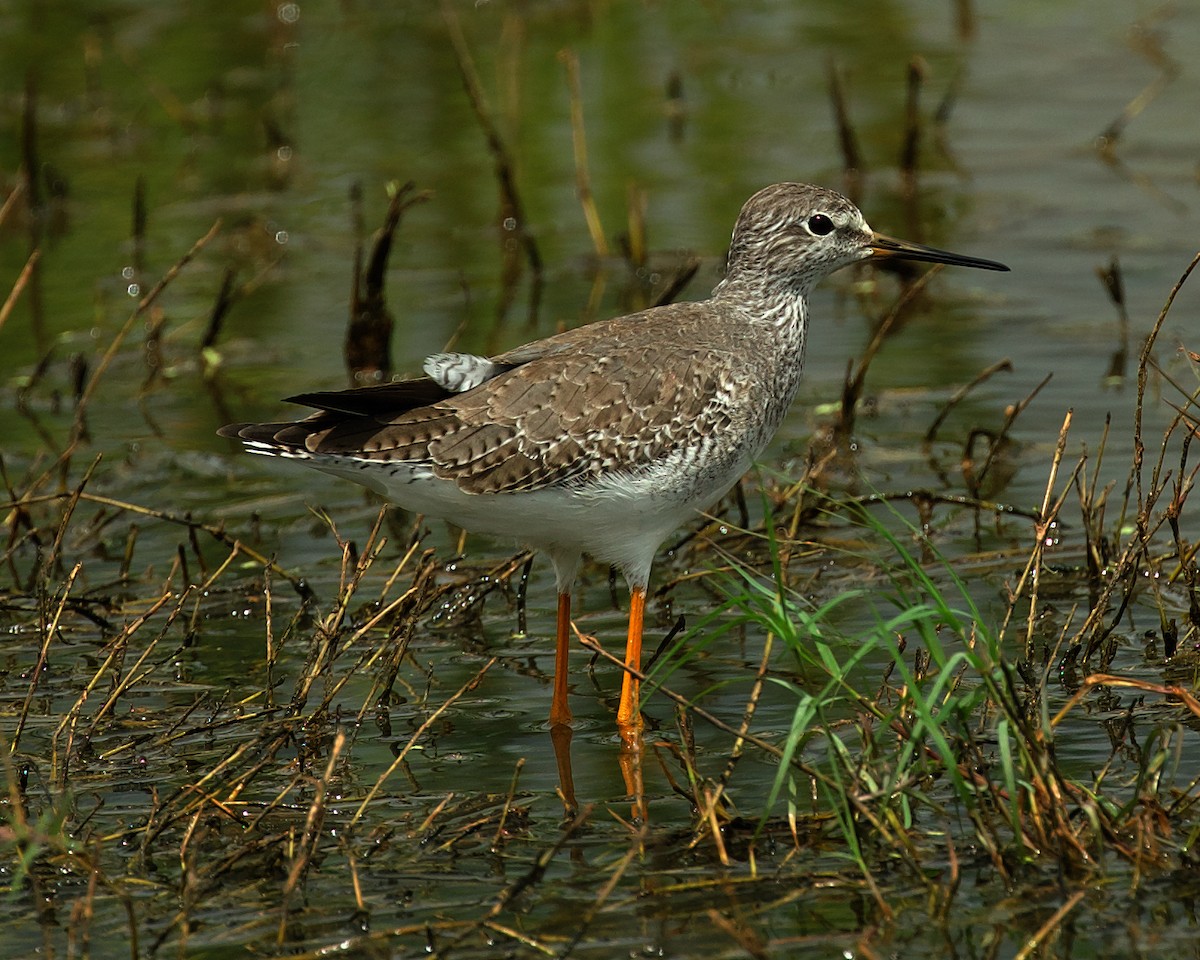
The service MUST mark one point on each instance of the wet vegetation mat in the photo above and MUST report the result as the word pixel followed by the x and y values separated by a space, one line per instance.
pixel 900 699
pixel 841 737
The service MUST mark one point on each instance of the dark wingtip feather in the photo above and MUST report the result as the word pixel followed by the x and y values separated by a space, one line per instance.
pixel 380 400
pixel 233 430
pixel 273 434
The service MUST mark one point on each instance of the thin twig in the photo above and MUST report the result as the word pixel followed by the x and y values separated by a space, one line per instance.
pixel 505 169
pixel 417 734
pixel 583 179
pixel 19 285
pixel 143 305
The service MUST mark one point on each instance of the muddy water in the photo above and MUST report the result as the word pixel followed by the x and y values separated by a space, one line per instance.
pixel 266 117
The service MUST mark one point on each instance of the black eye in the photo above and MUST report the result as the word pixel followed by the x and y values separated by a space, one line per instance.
pixel 819 225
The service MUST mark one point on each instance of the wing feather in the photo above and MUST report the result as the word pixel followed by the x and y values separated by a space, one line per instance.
pixel 607 397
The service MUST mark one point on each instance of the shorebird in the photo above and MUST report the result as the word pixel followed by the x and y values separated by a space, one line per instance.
pixel 605 438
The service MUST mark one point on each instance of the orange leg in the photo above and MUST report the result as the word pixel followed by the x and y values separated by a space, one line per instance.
pixel 630 761
pixel 560 710
pixel 560 738
pixel 629 717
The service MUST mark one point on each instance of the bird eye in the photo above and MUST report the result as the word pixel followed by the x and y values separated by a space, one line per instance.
pixel 819 225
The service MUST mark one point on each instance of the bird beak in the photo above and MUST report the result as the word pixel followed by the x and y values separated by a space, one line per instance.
pixel 891 249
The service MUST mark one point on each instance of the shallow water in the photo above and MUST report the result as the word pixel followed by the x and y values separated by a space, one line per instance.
pixel 266 116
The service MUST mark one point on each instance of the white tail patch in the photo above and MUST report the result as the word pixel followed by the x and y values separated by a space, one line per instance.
pixel 262 448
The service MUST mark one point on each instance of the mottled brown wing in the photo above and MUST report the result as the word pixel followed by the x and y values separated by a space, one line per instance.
pixel 568 417
pixel 610 396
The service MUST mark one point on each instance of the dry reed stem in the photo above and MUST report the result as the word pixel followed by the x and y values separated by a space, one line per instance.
pixel 235 789
pixel 1143 367
pixel 1122 575
pixel 151 830
pixel 418 598
pixel 737 930
pixel 856 377
pixel 1091 506
pixel 409 552
pixel 601 898
pixel 10 201
pixel 60 759
pixel 852 162
pixel 1048 516
pixel 417 734
pixel 226 297
pixel 325 639
pixel 363 943
pixel 216 532
pixel 48 635
pixel 271 650
pixel 1169 70
pixel 519 937
pixel 508 802
pixel 144 304
pixel 1010 416
pixel 366 347
pixel 131 675
pixel 583 179
pixel 735 752
pixel 356 883
pixel 962 393
pixel 1170 690
pixel 504 166
pixel 910 153
pixel 709 813
pixel 531 878
pixel 51 558
pixel 934 497
pixel 1034 943
pixel 594 646
pixel 19 284
pixel 302 858
pixel 1138 542
pixel 637 251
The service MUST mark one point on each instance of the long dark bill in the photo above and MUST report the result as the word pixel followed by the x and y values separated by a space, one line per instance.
pixel 890 248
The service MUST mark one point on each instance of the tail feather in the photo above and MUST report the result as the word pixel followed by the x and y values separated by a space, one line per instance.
pixel 277 439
